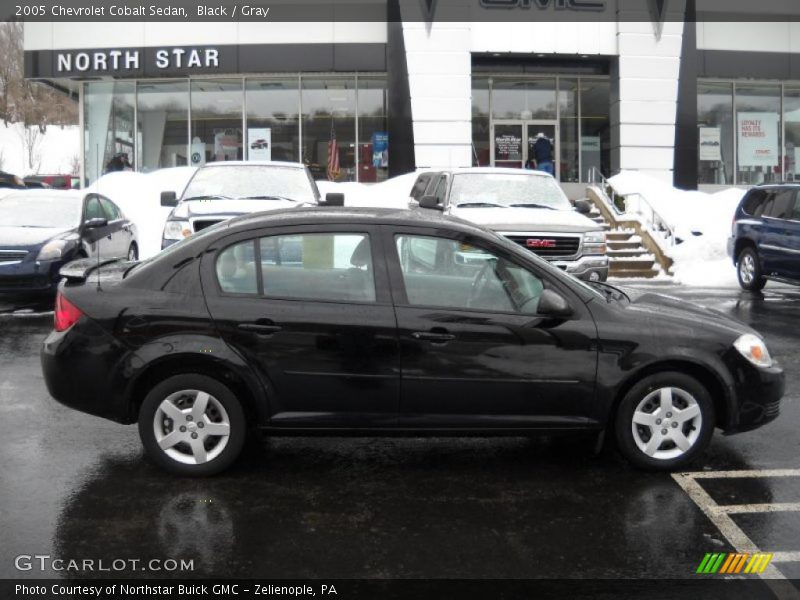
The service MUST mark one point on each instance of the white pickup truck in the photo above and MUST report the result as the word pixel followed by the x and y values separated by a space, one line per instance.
pixel 527 207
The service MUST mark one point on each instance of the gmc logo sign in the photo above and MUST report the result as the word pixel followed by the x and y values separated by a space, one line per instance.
pixel 540 243
pixel 580 5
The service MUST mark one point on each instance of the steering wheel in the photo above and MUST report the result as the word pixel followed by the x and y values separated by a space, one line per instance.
pixel 479 283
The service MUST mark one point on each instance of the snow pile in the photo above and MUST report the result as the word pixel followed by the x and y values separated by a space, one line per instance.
pixel 139 197
pixel 56 151
pixel 392 193
pixel 702 221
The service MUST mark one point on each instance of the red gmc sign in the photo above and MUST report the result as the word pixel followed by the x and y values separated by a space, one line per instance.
pixel 540 243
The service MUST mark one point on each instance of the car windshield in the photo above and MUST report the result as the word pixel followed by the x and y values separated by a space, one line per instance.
pixel 507 190
pixel 251 181
pixel 60 212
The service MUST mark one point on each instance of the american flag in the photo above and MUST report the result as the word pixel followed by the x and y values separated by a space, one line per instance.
pixel 333 156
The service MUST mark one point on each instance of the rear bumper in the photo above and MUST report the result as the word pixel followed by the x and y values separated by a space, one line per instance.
pixel 81 368
pixel 730 247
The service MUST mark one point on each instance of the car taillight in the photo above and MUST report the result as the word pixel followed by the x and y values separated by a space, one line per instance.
pixel 66 314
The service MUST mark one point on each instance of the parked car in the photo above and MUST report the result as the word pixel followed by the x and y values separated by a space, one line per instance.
pixel 9 180
pixel 765 241
pixel 259 144
pixel 371 321
pixel 220 191
pixel 60 182
pixel 527 207
pixel 41 230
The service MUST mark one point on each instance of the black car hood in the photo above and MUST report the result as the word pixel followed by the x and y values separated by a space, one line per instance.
pixel 670 310
pixel 28 237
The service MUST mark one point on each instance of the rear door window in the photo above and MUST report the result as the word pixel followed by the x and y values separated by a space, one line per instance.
pixel 782 207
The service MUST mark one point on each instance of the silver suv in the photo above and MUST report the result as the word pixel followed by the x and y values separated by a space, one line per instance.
pixel 527 207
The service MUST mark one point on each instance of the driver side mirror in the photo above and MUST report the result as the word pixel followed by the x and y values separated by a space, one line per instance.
pixel 430 202
pixel 332 199
pixel 583 206
pixel 169 199
pixel 553 304
pixel 95 223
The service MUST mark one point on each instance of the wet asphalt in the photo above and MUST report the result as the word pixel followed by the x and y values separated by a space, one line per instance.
pixel 75 486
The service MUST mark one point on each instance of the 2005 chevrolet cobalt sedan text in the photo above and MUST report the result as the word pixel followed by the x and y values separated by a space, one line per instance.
pixel 377 321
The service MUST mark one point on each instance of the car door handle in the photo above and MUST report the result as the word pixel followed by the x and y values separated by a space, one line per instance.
pixel 260 328
pixel 434 336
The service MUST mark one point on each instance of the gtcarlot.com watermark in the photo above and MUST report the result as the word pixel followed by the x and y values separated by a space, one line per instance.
pixel 45 562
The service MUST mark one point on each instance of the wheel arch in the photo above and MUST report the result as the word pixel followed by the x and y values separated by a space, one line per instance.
pixel 245 390
pixel 741 244
pixel 706 375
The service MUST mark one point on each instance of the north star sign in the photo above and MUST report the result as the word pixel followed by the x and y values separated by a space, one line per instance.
pixel 116 61
pixel 578 5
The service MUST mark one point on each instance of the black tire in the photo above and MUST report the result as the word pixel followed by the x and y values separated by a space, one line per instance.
pixel 684 390
pixel 222 406
pixel 133 252
pixel 748 259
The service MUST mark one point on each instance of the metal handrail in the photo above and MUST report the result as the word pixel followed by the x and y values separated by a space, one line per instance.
pixel 639 205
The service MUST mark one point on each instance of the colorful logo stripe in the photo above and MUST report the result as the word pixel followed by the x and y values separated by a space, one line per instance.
pixel 732 563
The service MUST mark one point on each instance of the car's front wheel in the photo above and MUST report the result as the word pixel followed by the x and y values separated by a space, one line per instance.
pixel 748 269
pixel 665 421
pixel 192 425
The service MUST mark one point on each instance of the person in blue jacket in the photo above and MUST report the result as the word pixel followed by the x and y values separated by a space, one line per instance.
pixel 543 154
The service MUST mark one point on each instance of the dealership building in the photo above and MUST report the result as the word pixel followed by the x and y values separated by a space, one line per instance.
pixel 638 85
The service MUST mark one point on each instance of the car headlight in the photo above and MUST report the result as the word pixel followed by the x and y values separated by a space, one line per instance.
pixel 753 349
pixel 53 250
pixel 594 237
pixel 177 230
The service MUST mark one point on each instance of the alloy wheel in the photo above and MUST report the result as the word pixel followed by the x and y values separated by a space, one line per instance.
pixel 667 423
pixel 747 268
pixel 191 427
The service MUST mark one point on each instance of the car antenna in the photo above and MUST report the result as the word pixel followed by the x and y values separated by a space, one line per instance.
pixel 100 239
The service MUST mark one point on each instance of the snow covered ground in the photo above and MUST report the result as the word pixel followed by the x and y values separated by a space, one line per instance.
pixel 702 221
pixel 54 152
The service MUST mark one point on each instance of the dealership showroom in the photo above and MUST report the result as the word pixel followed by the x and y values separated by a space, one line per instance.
pixel 186 408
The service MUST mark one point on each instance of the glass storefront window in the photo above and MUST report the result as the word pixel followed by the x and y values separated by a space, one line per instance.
pixel 568 124
pixel 480 122
pixel 595 126
pixel 162 129
pixel 108 127
pixel 216 121
pixel 524 99
pixel 273 116
pixel 715 122
pixel 791 120
pixel 329 109
pixel 758 134
pixel 373 131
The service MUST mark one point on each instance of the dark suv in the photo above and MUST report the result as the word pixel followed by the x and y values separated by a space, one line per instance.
pixel 765 243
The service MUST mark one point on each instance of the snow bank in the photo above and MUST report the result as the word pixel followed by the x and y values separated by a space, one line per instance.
pixel 139 197
pixel 57 150
pixel 392 193
pixel 702 221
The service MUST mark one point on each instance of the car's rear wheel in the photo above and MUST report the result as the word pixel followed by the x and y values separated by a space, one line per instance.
pixel 748 269
pixel 133 253
pixel 192 425
pixel 665 421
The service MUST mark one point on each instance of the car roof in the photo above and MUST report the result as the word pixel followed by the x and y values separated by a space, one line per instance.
pixel 337 215
pixel 253 163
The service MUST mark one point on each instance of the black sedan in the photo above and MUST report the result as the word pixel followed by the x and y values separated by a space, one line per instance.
pixel 376 321
pixel 41 230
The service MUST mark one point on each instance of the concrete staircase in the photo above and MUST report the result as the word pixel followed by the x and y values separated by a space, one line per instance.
pixel 628 258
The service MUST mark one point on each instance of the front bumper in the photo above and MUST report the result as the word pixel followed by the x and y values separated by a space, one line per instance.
pixel 757 391
pixel 590 268
pixel 30 276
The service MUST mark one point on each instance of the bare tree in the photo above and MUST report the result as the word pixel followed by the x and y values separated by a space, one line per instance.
pixel 31 102
pixel 31 138
pixel 74 165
